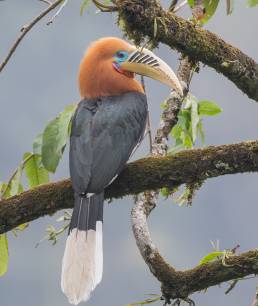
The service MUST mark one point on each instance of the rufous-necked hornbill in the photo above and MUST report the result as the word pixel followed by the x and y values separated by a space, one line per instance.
pixel 108 124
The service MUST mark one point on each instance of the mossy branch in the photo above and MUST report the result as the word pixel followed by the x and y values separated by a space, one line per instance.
pixel 180 284
pixel 145 174
pixel 139 17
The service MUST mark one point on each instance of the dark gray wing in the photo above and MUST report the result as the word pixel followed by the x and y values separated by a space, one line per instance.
pixel 80 155
pixel 104 134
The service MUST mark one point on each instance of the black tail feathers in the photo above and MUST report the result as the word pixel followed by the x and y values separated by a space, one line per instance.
pixel 87 211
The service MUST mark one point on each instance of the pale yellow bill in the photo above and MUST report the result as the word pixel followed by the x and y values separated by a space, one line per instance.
pixel 146 63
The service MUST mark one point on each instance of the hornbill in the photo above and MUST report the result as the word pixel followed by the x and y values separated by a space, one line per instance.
pixel 108 124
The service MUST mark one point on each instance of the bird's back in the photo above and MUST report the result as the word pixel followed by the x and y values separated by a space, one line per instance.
pixel 104 133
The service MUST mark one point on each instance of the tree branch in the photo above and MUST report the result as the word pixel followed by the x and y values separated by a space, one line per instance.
pixel 25 29
pixel 180 284
pixel 145 202
pixel 139 17
pixel 145 174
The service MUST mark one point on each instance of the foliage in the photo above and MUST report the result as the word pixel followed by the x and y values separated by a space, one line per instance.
pixel 210 7
pixel 55 137
pixel 211 257
pixel 190 122
pixel 35 172
pixel 53 233
pixel 185 133
pixel 252 3
pixel 84 5
pixel 4 254
pixel 47 151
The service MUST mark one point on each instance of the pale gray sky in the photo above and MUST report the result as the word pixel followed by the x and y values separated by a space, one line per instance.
pixel 41 79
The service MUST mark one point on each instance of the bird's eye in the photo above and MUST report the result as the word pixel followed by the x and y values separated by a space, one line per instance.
pixel 121 55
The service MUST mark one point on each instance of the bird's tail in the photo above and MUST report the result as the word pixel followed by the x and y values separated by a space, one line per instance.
pixel 83 257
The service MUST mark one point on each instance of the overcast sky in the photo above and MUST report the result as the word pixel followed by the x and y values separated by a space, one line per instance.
pixel 41 79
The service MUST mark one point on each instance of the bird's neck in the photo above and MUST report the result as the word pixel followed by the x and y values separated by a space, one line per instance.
pixel 104 80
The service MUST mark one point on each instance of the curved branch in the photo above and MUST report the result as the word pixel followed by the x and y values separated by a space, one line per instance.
pixel 180 284
pixel 139 17
pixel 145 174
pixel 145 202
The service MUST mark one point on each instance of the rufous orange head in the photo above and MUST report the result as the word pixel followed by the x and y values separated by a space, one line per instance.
pixel 109 66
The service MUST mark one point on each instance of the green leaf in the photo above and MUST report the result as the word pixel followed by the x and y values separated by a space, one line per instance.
pixel 183 198
pixel 37 145
pixel 84 4
pixel 210 9
pixel 176 131
pixel 200 130
pixel 184 119
pixel 194 118
pixel 165 192
pixel 4 256
pixel 210 257
pixel 19 228
pixel 176 149
pixel 55 137
pixel 164 105
pixel 15 182
pixel 252 3
pixel 4 191
pixel 187 141
pixel 22 226
pixel 191 3
pixel 208 108
pixel 35 172
pixel 155 28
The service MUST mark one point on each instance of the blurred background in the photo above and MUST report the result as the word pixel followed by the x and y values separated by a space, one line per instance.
pixel 41 79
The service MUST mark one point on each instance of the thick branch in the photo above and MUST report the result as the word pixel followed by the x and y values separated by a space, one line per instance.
pixel 180 284
pixel 144 174
pixel 139 17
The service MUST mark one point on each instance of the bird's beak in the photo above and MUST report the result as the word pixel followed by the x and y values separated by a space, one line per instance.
pixel 146 63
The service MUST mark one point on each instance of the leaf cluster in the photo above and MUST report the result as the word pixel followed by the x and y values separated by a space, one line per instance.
pixel 204 10
pixel 190 122
pixel 47 151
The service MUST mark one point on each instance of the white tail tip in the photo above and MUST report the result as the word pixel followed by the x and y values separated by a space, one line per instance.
pixel 82 264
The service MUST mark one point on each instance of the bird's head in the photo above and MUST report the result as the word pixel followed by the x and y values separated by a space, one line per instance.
pixel 109 66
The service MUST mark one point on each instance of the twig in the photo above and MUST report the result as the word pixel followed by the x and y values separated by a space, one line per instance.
pixel 104 8
pixel 232 286
pixel 25 29
pixel 255 302
pixel 46 1
pixel 58 12
pixel 148 125
pixel 172 5
pixel 181 5
pixel 2 194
